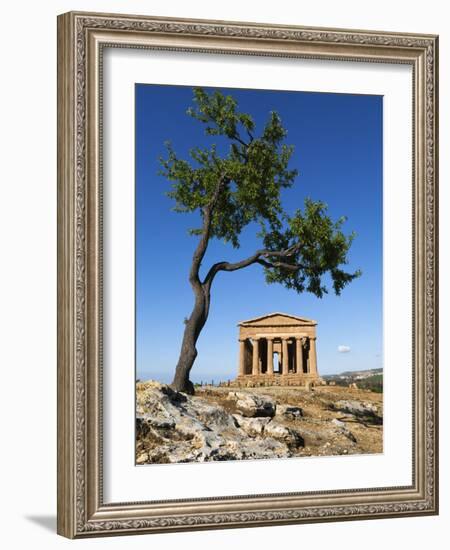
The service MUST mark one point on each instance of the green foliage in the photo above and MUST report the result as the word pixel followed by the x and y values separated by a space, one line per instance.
pixel 244 185
pixel 317 246
pixel 253 171
pixel 373 383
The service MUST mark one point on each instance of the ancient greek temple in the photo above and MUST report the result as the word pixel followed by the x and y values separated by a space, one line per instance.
pixel 277 349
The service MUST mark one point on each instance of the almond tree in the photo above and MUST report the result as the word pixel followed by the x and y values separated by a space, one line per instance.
pixel 232 190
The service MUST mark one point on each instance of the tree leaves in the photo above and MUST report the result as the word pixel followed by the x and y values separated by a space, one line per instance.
pixel 243 186
pixel 319 246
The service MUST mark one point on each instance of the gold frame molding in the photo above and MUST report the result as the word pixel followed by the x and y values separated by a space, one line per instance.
pixel 81 39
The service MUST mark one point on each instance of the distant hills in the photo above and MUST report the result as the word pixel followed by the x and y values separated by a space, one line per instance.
pixel 366 379
pixel 356 374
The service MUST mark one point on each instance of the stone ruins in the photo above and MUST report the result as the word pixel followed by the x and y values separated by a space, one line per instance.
pixel 277 350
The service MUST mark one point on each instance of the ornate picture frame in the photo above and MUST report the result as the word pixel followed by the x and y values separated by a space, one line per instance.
pixel 82 40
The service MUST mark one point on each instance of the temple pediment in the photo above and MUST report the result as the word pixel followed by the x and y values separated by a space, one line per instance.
pixel 277 319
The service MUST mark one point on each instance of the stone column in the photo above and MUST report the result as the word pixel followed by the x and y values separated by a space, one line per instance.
pixel 299 355
pixel 255 365
pixel 312 357
pixel 269 356
pixel 241 357
pixel 285 357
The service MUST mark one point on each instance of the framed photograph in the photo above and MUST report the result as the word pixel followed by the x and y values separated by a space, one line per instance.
pixel 247 274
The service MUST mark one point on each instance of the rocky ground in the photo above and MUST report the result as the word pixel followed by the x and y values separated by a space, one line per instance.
pixel 224 423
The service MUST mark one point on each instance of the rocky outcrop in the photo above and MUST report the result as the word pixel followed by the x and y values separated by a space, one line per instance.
pixel 249 404
pixel 252 426
pixel 220 423
pixel 289 412
pixel 343 429
pixel 362 410
pixel 173 427
pixel 291 437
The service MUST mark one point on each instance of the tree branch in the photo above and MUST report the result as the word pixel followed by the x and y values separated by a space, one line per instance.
pixel 237 137
pixel 284 265
pixel 261 257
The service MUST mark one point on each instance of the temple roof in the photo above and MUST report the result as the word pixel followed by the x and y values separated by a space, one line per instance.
pixel 278 319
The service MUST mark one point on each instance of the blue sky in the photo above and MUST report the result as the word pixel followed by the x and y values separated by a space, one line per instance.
pixel 338 152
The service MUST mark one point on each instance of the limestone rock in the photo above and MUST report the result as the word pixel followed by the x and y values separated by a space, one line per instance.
pixel 172 427
pixel 232 395
pixel 142 458
pixel 288 435
pixel 359 409
pixel 160 419
pixel 349 434
pixel 355 407
pixel 249 404
pixel 252 426
pixel 343 429
pixel 338 423
pixel 315 436
pixel 290 412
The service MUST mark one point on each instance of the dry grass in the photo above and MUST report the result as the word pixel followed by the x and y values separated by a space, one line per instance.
pixel 322 436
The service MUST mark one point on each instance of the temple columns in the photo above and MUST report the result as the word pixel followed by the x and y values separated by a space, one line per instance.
pixel 241 357
pixel 255 363
pixel 256 356
pixel 312 357
pixel 269 356
pixel 284 357
pixel 299 355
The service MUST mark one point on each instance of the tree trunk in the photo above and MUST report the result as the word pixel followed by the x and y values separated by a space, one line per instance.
pixel 202 292
pixel 188 353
